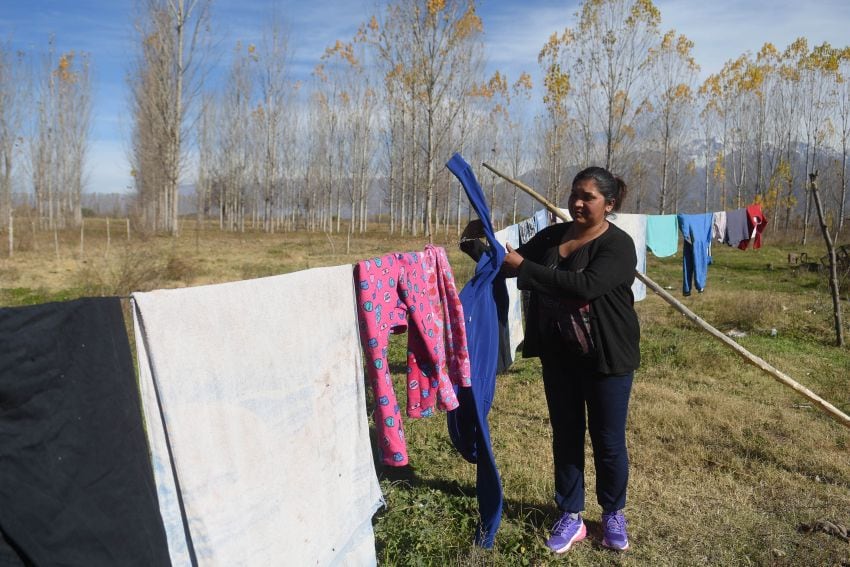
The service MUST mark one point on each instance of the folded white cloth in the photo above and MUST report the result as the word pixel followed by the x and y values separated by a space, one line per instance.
pixel 256 389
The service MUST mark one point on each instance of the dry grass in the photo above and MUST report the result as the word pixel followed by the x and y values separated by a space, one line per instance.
pixel 727 464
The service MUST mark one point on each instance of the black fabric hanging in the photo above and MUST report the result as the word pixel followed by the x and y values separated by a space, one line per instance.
pixel 76 486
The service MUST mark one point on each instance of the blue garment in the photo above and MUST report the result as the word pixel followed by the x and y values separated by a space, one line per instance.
pixel 696 250
pixel 484 300
pixel 541 219
pixel 662 235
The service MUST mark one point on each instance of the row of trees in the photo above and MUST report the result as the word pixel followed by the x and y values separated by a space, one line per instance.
pixel 383 110
pixel 45 117
pixel 621 92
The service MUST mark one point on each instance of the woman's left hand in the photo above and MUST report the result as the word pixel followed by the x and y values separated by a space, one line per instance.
pixel 512 258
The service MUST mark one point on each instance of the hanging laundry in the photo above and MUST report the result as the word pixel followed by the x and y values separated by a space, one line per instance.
pixel 662 235
pixel 484 300
pixel 254 399
pixel 566 212
pixel 636 227
pixel 696 230
pixel 718 226
pixel 526 229
pixel 756 224
pixel 514 315
pixel 415 288
pixel 737 229
pixel 76 486
pixel 541 219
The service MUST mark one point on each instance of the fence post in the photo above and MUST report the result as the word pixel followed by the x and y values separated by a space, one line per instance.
pixel 108 239
pixel 11 235
pixel 82 237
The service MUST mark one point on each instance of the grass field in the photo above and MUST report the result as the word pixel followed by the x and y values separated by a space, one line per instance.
pixel 727 465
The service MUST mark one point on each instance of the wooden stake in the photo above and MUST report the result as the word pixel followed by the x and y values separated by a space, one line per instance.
pixel 833 270
pixel 824 405
pixel 11 235
pixel 108 239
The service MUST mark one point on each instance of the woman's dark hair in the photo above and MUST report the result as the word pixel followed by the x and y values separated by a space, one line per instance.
pixel 611 186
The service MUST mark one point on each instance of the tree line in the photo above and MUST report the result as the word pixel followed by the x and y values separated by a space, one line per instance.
pixel 45 118
pixel 364 137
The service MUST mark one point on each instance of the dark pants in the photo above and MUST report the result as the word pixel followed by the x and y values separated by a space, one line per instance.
pixel 569 389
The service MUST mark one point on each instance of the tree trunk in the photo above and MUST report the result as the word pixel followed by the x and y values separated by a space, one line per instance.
pixel 833 272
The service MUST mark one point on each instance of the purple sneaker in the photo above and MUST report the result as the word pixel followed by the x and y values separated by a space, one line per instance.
pixel 565 533
pixel 614 526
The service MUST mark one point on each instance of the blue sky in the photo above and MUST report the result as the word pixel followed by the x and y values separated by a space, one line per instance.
pixel 514 34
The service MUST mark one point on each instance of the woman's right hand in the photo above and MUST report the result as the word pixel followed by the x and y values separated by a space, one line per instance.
pixel 513 259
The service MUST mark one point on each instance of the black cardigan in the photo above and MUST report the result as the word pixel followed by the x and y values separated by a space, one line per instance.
pixel 605 283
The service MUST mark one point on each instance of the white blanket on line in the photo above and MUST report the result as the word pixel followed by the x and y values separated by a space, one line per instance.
pixel 259 386
pixel 515 330
pixel 635 226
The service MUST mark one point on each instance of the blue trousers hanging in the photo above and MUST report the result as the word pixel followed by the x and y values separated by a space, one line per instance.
pixel 468 427
pixel 696 256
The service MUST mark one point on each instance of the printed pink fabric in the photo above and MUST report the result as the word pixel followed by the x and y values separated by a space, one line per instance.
pixel 415 288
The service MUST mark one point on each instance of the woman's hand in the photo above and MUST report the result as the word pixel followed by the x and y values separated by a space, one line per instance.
pixel 512 258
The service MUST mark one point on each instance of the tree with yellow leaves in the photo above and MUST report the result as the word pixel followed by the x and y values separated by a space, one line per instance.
pixel 611 46
pixel 432 49
pixel 674 69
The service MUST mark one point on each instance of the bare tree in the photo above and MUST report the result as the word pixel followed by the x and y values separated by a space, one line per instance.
pixel 273 58
pixel 164 83
pixel 60 142
pixel 13 86
pixel 675 72
pixel 842 79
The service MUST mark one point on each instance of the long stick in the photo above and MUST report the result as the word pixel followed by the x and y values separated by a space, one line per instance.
pixel 833 411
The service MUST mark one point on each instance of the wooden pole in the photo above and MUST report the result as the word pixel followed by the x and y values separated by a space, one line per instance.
pixel 11 235
pixel 833 271
pixel 108 238
pixel 824 405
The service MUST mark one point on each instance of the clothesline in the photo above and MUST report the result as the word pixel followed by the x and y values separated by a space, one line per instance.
pixel 781 377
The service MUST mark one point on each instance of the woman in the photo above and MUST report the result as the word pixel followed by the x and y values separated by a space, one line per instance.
pixel 582 324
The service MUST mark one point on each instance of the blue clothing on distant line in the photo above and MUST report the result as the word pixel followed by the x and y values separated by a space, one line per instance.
pixel 696 250
pixel 662 235
pixel 484 300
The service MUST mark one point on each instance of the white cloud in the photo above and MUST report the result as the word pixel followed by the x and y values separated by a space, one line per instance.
pixel 725 29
